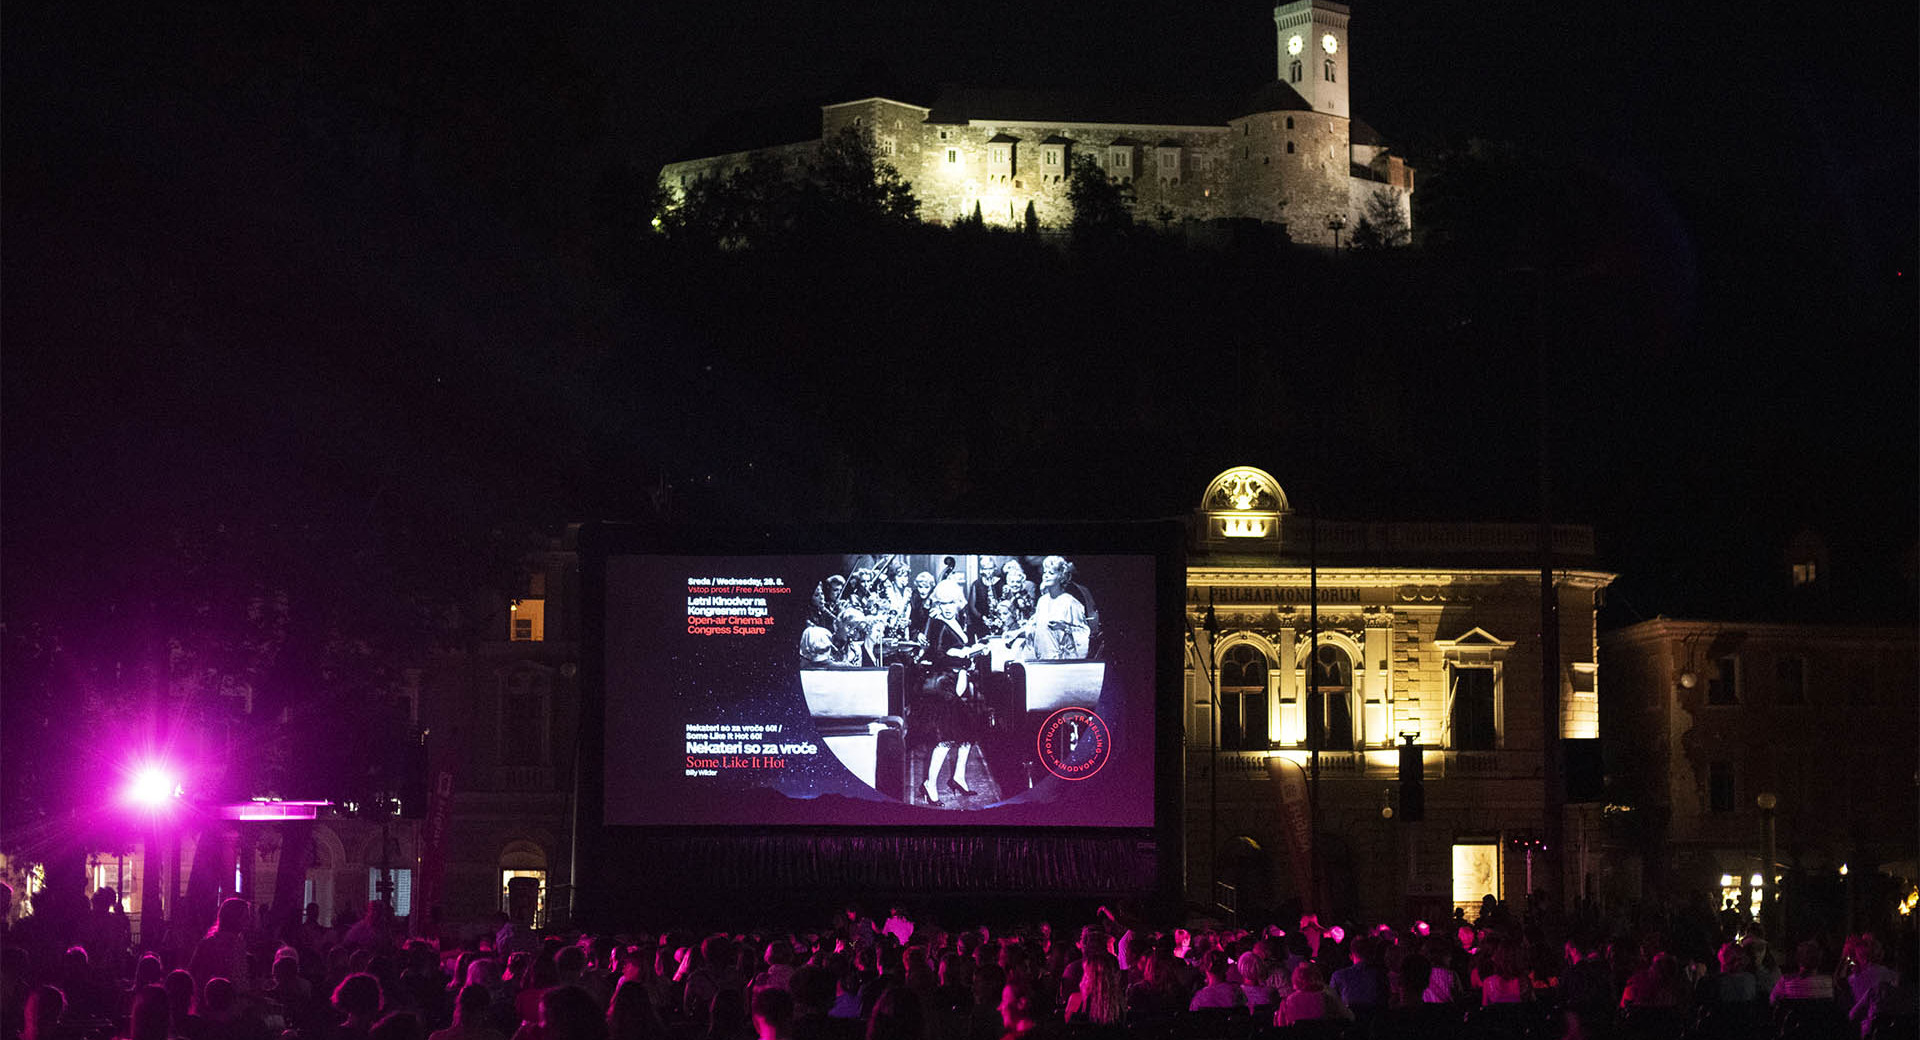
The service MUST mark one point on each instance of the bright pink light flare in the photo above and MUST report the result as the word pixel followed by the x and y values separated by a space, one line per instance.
pixel 153 787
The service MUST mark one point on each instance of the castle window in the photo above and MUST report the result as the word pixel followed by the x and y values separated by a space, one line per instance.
pixel 953 155
pixel 1289 122
pixel 1329 68
pixel 1293 72
pixel 999 155
pixel 944 134
pixel 1724 687
pixel 1720 787
pixel 1289 147
pixel 886 146
pixel 1053 157
pixel 1790 680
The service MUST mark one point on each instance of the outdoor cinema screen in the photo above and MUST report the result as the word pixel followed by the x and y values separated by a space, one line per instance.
pixel 951 682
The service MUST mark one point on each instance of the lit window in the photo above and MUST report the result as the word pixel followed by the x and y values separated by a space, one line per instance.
pixel 1724 687
pixel 1720 787
pixel 1790 680
pixel 1471 709
pixel 1243 698
pixel 1805 574
pixel 402 889
pixel 529 620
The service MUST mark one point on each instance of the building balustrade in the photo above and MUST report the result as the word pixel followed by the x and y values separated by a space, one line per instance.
pixel 523 778
pixel 1375 763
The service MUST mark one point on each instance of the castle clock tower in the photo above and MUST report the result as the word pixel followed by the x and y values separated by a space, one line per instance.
pixel 1313 53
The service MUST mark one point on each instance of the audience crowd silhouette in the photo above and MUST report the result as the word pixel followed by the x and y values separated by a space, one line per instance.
pixel 850 978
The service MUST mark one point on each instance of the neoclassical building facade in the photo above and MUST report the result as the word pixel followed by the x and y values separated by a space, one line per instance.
pixel 1291 153
pixel 1356 638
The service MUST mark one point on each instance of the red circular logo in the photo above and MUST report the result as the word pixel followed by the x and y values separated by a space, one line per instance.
pixel 1074 743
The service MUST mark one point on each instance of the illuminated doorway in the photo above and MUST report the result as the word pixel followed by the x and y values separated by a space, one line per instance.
pixel 1476 874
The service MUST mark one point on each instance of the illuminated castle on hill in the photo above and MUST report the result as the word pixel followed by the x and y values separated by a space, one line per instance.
pixel 1290 154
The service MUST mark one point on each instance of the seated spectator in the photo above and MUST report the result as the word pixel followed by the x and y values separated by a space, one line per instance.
pixel 1101 999
pixel 773 1014
pixel 1220 991
pixel 779 966
pixel 1507 981
pixel 357 999
pixel 471 1017
pixel 1018 1013
pixel 897 1016
pixel 566 1013
pixel 1363 983
pixel 181 1022
pixel 1587 984
pixel 1861 969
pixel 227 1018
pixel 1734 984
pixel 1661 984
pixel 400 1025
pixel 1310 1000
pixel 1409 984
pixel 151 1016
pixel 1160 991
pixel 1808 980
pixel 45 1005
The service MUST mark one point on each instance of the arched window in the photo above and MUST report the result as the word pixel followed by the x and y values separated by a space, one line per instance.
pixel 1289 147
pixel 1330 700
pixel 1243 698
pixel 1293 72
pixel 1329 68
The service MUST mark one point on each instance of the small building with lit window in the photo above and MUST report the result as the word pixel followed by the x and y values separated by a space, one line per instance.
pixel 1350 639
pixel 1730 728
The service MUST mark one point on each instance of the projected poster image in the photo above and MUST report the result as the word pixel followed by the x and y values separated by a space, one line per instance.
pixel 881 688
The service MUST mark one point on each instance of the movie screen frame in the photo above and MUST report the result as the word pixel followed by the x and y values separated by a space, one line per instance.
pixel 887 703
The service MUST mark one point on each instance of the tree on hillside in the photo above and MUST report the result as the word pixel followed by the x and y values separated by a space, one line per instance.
pixel 1384 224
pixel 1099 206
pixel 854 181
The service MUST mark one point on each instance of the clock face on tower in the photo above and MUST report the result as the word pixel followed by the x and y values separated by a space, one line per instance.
pixel 1329 44
pixel 1294 45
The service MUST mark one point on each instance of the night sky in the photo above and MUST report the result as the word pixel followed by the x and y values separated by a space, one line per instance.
pixel 347 264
